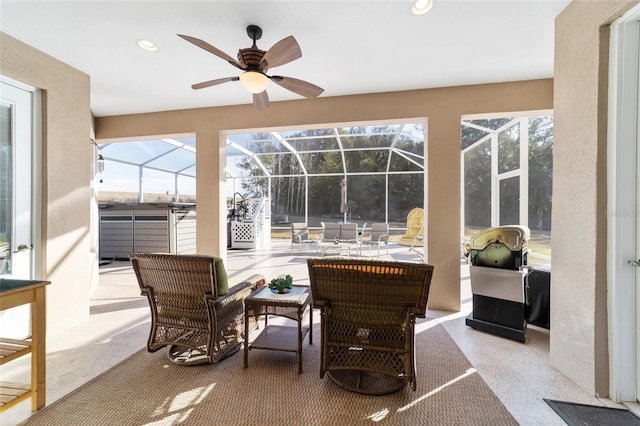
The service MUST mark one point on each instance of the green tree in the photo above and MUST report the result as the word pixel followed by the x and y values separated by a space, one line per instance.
pixel 477 172
pixel 540 172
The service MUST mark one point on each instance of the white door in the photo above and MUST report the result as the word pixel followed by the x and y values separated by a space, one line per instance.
pixel 16 217
pixel 623 210
pixel 637 339
pixel 636 107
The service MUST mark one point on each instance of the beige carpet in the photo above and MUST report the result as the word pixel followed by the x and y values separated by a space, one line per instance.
pixel 146 389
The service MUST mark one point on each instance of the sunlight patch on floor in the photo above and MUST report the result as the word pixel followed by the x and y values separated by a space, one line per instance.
pixel 183 401
pixel 379 416
pixel 438 389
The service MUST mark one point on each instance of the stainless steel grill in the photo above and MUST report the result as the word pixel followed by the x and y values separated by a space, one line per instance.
pixel 498 273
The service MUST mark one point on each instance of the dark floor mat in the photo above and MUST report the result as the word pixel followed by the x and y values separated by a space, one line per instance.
pixel 591 415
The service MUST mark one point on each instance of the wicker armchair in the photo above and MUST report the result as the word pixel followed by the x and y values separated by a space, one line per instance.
pixel 192 309
pixel 368 310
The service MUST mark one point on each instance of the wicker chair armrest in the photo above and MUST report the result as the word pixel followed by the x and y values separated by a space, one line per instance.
pixel 417 311
pixel 256 281
pixel 320 303
pixel 237 294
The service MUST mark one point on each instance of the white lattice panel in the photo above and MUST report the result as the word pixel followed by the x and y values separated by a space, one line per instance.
pixel 243 231
pixel 255 232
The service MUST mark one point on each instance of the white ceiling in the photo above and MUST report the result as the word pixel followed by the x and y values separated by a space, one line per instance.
pixel 348 47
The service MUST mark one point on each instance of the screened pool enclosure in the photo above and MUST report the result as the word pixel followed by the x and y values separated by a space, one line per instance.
pixel 506 168
pixel 299 171
pixel 506 173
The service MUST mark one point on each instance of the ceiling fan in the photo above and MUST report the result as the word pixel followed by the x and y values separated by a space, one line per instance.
pixel 255 63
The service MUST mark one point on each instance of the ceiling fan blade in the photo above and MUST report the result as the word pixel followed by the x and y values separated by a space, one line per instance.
pixel 283 52
pixel 213 82
pixel 261 100
pixel 209 48
pixel 301 87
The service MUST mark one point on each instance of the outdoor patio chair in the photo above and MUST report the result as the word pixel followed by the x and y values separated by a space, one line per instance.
pixel 330 232
pixel 348 233
pixel 362 231
pixel 378 236
pixel 192 309
pixel 300 235
pixel 368 310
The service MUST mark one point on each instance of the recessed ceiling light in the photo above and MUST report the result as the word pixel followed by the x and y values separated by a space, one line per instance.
pixel 420 7
pixel 147 45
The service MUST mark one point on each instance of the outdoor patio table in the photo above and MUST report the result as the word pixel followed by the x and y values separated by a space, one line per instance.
pixel 327 248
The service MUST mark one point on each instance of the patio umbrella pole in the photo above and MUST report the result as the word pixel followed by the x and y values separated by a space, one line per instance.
pixel 343 199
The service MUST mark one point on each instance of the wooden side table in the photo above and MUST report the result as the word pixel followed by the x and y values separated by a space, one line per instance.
pixel 280 338
pixel 15 293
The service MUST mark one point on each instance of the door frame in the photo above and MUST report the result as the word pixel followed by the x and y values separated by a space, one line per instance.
pixel 623 207
pixel 36 174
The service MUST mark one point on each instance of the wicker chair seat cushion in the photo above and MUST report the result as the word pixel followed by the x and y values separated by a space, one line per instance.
pixel 221 277
pixel 361 266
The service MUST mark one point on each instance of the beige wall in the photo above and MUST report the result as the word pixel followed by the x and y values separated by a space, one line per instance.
pixel 579 334
pixel 579 288
pixel 67 197
pixel 441 109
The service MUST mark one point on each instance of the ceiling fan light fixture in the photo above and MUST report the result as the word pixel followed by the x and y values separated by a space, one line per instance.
pixel 420 7
pixel 147 45
pixel 254 81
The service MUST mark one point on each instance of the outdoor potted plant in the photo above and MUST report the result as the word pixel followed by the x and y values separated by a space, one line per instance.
pixel 282 284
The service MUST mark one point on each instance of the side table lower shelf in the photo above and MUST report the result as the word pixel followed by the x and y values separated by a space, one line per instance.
pixel 279 338
pixel 16 293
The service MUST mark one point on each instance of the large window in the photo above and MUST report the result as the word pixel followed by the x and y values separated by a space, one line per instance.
pixel 158 170
pixel 383 166
pixel 507 177
pixel 300 171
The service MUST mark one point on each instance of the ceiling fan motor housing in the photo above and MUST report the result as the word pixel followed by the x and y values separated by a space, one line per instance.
pixel 250 58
